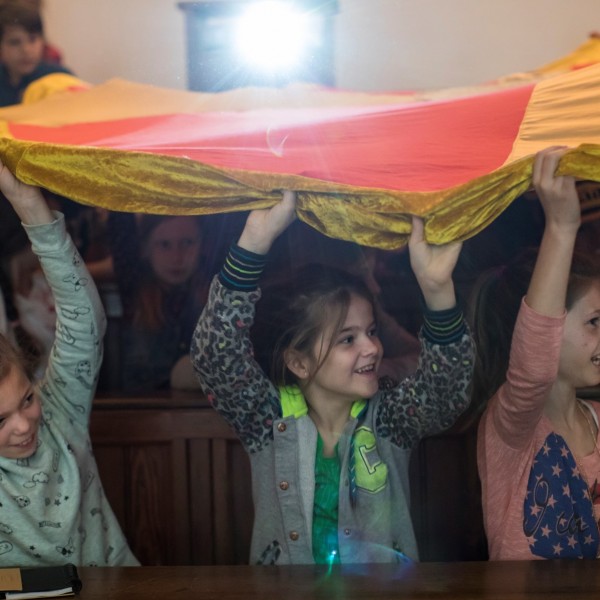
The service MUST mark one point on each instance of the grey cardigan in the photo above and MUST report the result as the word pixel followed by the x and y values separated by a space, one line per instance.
pixel 280 438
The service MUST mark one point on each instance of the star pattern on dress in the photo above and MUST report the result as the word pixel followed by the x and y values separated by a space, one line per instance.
pixel 558 520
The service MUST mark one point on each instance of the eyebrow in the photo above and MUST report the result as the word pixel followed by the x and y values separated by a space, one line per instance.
pixel 356 327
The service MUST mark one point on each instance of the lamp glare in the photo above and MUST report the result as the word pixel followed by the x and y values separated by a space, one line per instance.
pixel 272 36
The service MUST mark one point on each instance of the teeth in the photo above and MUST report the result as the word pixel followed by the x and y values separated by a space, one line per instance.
pixel 596 360
pixel 365 369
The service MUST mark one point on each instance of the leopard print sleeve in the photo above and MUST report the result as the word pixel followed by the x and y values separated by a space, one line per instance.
pixel 222 356
pixel 433 398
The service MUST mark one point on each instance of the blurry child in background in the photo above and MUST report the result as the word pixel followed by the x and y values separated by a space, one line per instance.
pixel 28 298
pixel 22 48
pixel 51 53
pixel 158 268
pixel 34 316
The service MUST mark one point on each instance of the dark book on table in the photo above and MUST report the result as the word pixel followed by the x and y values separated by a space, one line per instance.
pixel 39 582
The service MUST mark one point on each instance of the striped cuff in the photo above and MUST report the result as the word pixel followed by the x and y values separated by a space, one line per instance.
pixel 443 327
pixel 242 269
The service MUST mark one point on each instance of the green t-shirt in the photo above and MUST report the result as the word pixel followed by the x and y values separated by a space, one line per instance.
pixel 325 508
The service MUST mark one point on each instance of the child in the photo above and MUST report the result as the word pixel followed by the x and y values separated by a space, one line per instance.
pixel 29 301
pixel 329 452
pixel 51 53
pixel 21 51
pixel 52 505
pixel 157 264
pixel 538 453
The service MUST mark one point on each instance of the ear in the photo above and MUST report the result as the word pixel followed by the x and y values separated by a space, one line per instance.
pixel 297 363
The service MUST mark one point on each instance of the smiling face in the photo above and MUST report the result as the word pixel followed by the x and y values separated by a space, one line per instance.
pixel 20 413
pixel 580 351
pixel 349 372
pixel 173 250
pixel 20 51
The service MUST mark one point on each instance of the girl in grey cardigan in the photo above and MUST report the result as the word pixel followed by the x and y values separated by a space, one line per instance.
pixel 329 449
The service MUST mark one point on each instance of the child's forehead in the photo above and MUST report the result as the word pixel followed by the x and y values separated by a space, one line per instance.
pixel 13 388
pixel 589 300
pixel 358 312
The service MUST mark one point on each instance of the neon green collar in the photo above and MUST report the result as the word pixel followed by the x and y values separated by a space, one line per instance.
pixel 294 404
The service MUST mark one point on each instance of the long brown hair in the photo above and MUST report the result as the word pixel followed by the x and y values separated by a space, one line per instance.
pixel 495 309
pixel 294 312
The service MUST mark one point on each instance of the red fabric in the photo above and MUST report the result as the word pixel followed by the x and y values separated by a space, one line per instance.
pixel 411 147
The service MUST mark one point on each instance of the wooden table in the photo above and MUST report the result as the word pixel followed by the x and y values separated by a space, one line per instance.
pixel 547 580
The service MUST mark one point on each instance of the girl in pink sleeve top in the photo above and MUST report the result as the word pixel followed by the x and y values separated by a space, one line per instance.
pixel 538 452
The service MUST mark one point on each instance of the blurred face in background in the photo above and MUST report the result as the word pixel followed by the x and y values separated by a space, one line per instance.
pixel 173 250
pixel 33 297
pixel 20 52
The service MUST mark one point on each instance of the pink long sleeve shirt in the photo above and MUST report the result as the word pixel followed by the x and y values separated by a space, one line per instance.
pixel 536 500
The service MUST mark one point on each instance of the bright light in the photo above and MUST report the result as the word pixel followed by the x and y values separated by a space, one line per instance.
pixel 272 35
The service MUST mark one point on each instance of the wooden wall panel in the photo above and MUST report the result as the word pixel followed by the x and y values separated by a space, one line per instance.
pixel 201 501
pixel 150 504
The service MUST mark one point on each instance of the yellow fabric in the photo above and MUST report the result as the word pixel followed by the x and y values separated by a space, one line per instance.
pixel 562 110
pixel 126 181
pixel 586 54
pixel 51 84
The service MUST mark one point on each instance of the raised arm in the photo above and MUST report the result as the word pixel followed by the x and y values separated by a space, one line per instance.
pixel 221 351
pixel 438 392
pixel 70 379
pixel 522 399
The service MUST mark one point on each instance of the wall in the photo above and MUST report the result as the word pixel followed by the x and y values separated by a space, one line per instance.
pixel 380 44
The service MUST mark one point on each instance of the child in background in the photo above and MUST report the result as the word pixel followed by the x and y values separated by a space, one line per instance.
pixel 21 51
pixel 51 53
pixel 538 453
pixel 53 505
pixel 329 450
pixel 29 301
pixel 157 264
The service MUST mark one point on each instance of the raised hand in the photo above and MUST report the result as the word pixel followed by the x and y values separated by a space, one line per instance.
pixel 265 225
pixel 558 195
pixel 433 266
pixel 27 200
